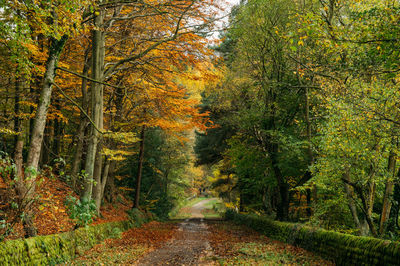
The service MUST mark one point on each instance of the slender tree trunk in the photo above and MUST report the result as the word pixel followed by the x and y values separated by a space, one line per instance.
pixel 98 164
pixel 17 120
pixel 97 174
pixel 45 153
pixel 366 200
pixel 392 223
pixel 368 205
pixel 76 165
pixel 31 120
pixel 38 129
pixel 351 203
pixel 140 166
pixel 284 198
pixel 23 191
pixel 56 147
pixel 100 186
pixel 96 98
pixel 109 190
pixel 283 207
pixel 309 150
pixel 104 178
pixel 387 201
pixel 19 145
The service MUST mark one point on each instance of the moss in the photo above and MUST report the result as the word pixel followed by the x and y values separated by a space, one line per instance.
pixel 54 249
pixel 341 248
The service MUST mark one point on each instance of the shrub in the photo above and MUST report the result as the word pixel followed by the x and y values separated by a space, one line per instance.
pixel 82 211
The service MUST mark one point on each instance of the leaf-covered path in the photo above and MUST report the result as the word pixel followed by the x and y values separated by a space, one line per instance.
pixel 190 246
pixel 196 241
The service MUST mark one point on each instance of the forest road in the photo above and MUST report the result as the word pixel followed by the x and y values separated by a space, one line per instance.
pixel 190 245
pixel 197 209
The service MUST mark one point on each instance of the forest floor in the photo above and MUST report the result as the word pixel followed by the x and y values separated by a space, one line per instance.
pixel 51 214
pixel 196 241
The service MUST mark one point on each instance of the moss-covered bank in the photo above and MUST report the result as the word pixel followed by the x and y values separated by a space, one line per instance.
pixel 343 249
pixel 53 249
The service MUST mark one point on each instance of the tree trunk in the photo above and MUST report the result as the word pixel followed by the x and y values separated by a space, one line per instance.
pixel 109 190
pixel 394 211
pixel 38 129
pixel 283 207
pixel 368 205
pixel 366 200
pixel 97 174
pixel 96 98
pixel 98 164
pixel 45 153
pixel 387 201
pixel 104 178
pixel 56 147
pixel 100 186
pixel 17 120
pixel 31 120
pixel 140 166
pixel 282 213
pixel 76 165
pixel 310 151
pixel 351 203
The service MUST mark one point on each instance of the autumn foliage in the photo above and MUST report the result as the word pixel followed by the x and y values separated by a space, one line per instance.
pixel 82 79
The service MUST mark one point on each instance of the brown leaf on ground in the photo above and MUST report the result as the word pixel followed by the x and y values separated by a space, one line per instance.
pixel 132 245
pixel 233 244
pixel 51 215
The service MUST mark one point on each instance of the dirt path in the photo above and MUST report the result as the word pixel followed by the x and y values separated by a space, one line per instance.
pixel 197 209
pixel 196 241
pixel 190 245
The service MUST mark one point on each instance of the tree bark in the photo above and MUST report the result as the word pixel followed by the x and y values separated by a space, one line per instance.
pixel 104 178
pixel 367 201
pixel 96 98
pixel 76 165
pixel 109 190
pixel 387 202
pixel 98 164
pixel 17 120
pixel 368 205
pixel 282 213
pixel 140 166
pixel 351 203
pixel 393 223
pixel 310 151
pixel 97 174
pixel 56 147
pixel 39 124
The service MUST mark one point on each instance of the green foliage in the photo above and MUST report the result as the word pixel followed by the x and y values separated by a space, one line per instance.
pixel 82 211
pixel 260 106
pixel 310 96
pixel 165 174
pixel 137 217
pixel 116 232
